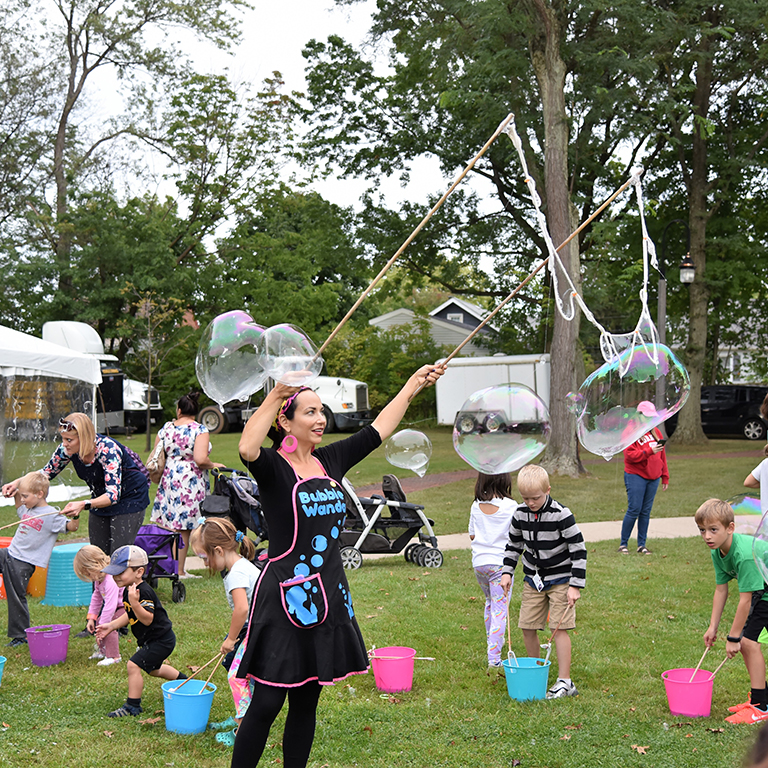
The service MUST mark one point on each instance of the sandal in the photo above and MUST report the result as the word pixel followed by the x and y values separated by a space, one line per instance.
pixel 230 722
pixel 643 551
pixel 227 738
pixel 623 550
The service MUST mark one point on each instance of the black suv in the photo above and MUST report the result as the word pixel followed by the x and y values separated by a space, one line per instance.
pixel 731 409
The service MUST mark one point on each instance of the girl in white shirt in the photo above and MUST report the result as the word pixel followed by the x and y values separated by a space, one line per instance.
pixel 489 522
pixel 227 550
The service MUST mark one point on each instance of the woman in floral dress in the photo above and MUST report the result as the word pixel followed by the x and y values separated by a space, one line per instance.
pixel 184 483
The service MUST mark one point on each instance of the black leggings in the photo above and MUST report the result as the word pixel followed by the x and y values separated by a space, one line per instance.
pixel 299 730
pixel 109 532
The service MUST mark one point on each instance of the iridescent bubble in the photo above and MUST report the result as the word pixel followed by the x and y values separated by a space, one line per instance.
pixel 760 547
pixel 290 357
pixel 409 449
pixel 745 504
pixel 229 358
pixel 614 410
pixel 501 429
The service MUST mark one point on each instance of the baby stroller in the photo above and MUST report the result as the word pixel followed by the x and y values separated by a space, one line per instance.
pixel 236 496
pixel 162 546
pixel 385 524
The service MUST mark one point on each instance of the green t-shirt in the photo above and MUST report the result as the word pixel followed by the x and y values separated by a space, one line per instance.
pixel 739 564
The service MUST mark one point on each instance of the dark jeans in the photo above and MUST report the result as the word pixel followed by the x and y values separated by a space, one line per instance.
pixel 16 575
pixel 640 495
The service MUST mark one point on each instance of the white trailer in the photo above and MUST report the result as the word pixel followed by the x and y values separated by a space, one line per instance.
pixel 466 375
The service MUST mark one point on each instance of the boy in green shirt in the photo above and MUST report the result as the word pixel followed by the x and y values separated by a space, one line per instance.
pixel 732 558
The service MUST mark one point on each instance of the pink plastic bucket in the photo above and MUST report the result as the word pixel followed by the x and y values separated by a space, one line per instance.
pixel 686 698
pixel 48 644
pixel 393 668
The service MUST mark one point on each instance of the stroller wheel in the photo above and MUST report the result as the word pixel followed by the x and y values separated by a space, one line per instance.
pixel 418 555
pixel 179 592
pixel 408 553
pixel 432 558
pixel 351 558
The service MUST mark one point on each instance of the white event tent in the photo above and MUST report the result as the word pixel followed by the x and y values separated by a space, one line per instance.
pixel 39 383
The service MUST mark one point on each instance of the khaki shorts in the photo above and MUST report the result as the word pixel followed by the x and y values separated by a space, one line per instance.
pixel 535 605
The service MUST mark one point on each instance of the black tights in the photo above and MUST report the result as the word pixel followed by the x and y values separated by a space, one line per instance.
pixel 299 730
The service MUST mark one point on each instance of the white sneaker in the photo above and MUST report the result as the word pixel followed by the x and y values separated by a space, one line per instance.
pixel 96 655
pixel 562 688
pixel 108 661
pixel 189 576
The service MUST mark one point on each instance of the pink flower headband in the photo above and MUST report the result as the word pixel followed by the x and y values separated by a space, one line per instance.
pixel 284 407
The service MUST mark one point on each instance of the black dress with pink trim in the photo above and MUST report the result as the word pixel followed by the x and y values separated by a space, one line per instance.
pixel 302 625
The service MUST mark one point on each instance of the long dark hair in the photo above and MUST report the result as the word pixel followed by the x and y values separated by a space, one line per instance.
pixel 490 487
pixel 189 404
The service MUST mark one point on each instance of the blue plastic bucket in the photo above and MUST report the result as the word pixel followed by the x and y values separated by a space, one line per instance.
pixel 187 710
pixel 526 678
pixel 2 667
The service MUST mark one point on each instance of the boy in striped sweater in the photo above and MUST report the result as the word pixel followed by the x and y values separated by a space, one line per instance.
pixel 554 566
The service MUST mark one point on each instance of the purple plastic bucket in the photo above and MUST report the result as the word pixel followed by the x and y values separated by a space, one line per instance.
pixel 48 644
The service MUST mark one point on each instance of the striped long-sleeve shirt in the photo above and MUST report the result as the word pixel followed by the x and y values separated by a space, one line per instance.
pixel 551 544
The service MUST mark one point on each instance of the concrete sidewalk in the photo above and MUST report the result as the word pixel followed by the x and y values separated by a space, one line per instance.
pixel 660 528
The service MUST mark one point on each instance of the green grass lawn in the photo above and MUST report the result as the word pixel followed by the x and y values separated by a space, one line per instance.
pixel 637 618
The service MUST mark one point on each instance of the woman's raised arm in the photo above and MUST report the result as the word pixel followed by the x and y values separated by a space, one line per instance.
pixel 256 428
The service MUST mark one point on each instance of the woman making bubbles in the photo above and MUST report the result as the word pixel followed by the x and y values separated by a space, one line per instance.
pixel 302 632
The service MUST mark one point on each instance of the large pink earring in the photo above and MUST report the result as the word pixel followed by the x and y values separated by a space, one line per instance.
pixel 289 444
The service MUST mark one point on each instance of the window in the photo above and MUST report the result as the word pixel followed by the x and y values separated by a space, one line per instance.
pixel 455 317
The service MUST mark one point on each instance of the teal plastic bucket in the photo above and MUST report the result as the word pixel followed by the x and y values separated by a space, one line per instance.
pixel 187 710
pixel 526 678
pixel 2 667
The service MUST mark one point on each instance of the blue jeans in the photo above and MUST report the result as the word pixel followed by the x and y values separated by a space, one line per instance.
pixel 640 495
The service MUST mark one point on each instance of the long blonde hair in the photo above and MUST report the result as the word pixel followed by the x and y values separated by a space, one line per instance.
pixel 85 431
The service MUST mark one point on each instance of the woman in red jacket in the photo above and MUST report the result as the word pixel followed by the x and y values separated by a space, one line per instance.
pixel 645 464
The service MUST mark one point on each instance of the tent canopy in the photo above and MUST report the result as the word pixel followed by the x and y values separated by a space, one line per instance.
pixel 25 355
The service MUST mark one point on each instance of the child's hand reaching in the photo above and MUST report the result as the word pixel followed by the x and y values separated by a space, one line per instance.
pixel 573 595
pixel 90 625
pixel 103 630
pixel 506 583
pixel 227 646
pixel 709 637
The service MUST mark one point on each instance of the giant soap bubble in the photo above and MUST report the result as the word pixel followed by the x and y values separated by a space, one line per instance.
pixel 760 547
pixel 409 449
pixel 627 397
pixel 290 357
pixel 501 429
pixel 229 358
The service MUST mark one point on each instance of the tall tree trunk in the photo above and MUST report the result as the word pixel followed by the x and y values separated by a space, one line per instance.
pixel 561 456
pixel 689 430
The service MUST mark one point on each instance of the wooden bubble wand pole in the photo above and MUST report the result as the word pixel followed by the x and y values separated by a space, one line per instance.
pixel 530 276
pixel 504 123
pixel 26 519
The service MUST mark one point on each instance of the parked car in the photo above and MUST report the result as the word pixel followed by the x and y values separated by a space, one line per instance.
pixel 731 409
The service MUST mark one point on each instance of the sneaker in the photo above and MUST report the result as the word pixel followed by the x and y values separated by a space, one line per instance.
pixel 623 550
pixel 560 689
pixel 739 707
pixel 16 642
pixel 189 576
pixel 96 656
pixel 126 711
pixel 748 714
pixel 644 551
pixel 495 670
pixel 108 661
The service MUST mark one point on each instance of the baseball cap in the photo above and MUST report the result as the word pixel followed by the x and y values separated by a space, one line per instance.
pixel 129 556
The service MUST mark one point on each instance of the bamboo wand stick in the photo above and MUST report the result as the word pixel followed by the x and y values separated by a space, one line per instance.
pixel 26 519
pixel 197 671
pixel 504 123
